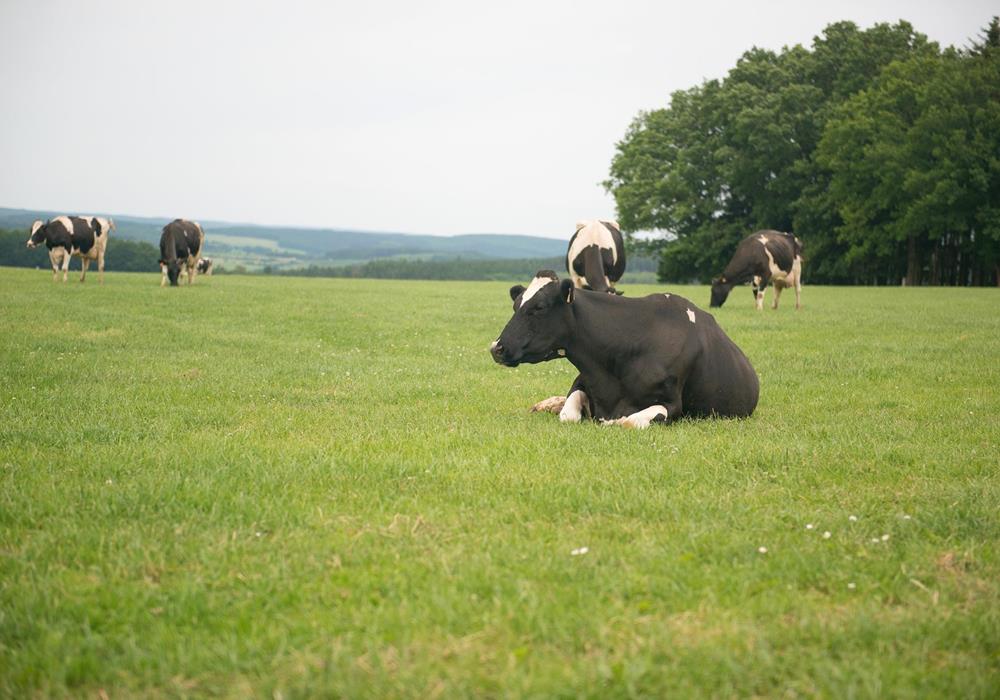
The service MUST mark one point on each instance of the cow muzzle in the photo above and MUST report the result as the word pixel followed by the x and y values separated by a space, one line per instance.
pixel 496 352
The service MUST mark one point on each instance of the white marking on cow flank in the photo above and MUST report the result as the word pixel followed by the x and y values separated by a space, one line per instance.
pixel 64 220
pixel 762 238
pixel 574 408
pixel 776 272
pixel 532 290
pixel 690 315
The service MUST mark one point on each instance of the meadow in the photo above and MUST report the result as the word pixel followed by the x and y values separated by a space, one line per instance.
pixel 282 487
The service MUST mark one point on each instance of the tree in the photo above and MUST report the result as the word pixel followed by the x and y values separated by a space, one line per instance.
pixel 729 157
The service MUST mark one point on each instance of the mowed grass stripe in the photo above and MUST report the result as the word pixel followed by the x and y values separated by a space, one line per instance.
pixel 326 487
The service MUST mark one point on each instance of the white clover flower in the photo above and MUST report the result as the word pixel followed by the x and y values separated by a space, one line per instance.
pixel 852 518
pixel 826 535
pixel 762 550
pixel 875 540
pixel 851 585
pixel 906 517
pixel 809 526
pixel 579 550
pixel 885 538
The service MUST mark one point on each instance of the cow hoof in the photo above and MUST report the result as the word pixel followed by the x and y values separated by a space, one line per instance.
pixel 553 404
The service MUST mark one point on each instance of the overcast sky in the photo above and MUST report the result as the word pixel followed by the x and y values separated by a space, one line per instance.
pixel 423 117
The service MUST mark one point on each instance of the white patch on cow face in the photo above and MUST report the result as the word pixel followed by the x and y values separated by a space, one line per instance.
pixel 592 233
pixel 534 287
pixel 690 315
pixel 575 407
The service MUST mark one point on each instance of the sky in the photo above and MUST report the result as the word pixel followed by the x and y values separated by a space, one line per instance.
pixel 416 117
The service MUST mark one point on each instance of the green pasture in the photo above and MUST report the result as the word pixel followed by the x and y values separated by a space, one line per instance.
pixel 281 487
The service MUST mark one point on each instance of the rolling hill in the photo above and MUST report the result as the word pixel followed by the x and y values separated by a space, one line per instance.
pixel 283 247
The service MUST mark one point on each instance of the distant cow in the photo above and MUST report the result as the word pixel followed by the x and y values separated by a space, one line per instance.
pixel 641 361
pixel 85 237
pixel 760 258
pixel 205 266
pixel 180 246
pixel 595 258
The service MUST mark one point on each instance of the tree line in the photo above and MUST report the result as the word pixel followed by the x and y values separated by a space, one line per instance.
pixel 876 147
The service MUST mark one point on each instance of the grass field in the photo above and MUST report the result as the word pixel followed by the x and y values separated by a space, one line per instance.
pixel 295 487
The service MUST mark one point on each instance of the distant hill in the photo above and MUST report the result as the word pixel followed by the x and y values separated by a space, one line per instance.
pixel 282 247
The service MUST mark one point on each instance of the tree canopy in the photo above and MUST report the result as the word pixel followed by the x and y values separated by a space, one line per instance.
pixel 880 150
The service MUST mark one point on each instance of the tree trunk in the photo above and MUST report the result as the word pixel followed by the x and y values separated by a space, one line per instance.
pixel 912 263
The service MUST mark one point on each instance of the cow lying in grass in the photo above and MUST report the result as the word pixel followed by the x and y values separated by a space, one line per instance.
pixel 641 361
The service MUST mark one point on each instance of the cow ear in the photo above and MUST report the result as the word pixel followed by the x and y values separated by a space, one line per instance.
pixel 516 291
pixel 566 291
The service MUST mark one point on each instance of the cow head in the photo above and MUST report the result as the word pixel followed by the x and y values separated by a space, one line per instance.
pixel 541 323
pixel 720 290
pixel 37 234
pixel 173 269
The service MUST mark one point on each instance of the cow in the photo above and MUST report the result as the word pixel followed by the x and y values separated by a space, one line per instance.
pixel 180 246
pixel 641 361
pixel 85 237
pixel 595 258
pixel 760 258
pixel 205 266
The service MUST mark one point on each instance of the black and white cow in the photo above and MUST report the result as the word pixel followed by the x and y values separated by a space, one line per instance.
pixel 180 246
pixel 85 237
pixel 641 361
pixel 760 258
pixel 205 266
pixel 595 258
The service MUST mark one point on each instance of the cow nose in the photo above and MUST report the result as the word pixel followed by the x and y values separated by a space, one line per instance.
pixel 496 350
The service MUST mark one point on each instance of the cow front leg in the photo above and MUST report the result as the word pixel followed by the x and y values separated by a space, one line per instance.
pixel 798 294
pixel 657 413
pixel 100 268
pixel 163 277
pixel 553 404
pixel 777 295
pixel 55 259
pixel 576 408
pixel 84 263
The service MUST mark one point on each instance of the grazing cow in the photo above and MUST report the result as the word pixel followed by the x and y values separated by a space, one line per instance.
pixel 85 237
pixel 205 266
pixel 180 246
pixel 641 361
pixel 760 258
pixel 595 258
